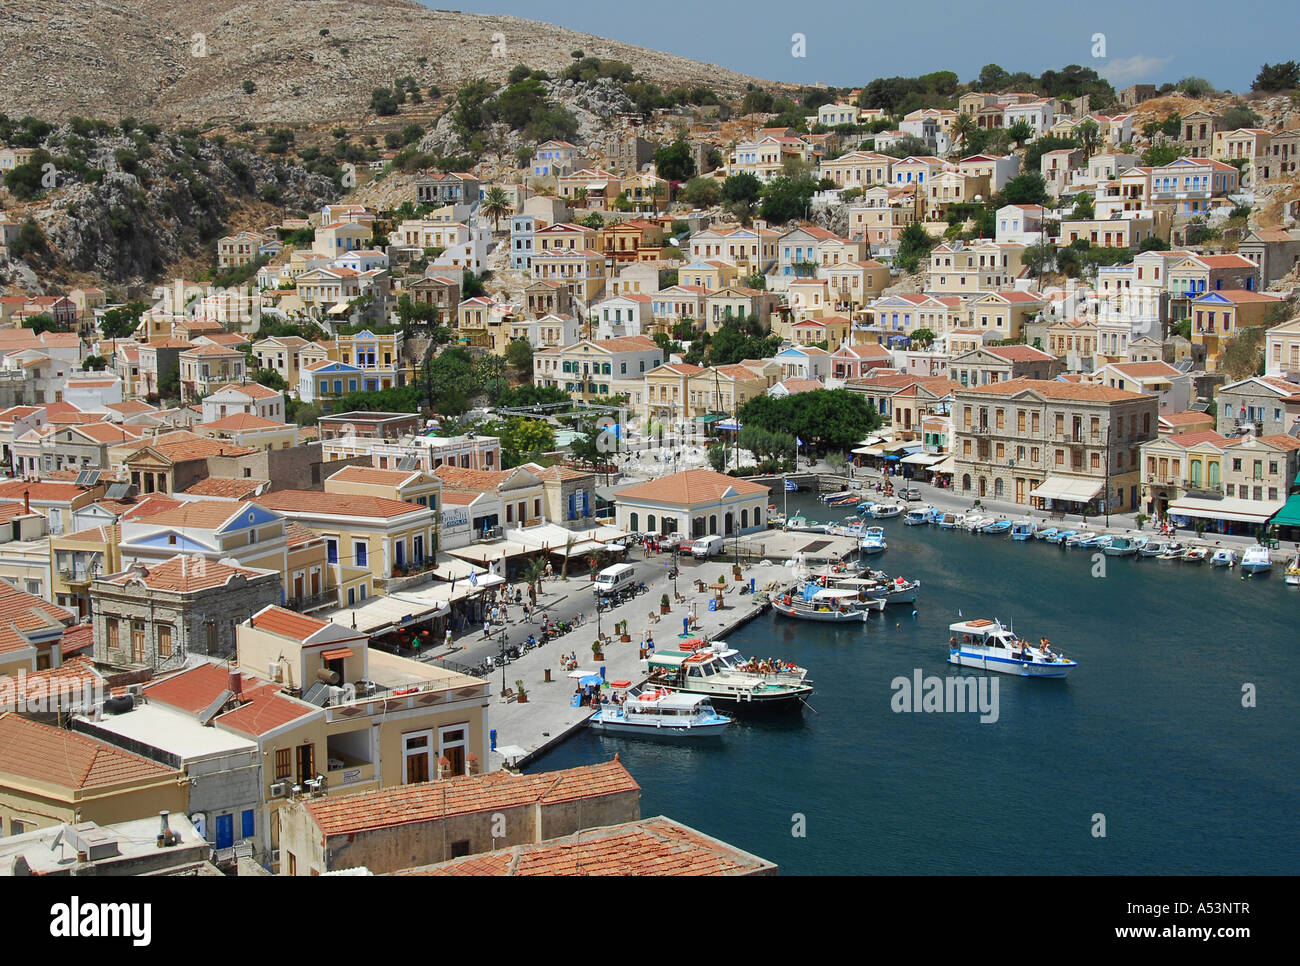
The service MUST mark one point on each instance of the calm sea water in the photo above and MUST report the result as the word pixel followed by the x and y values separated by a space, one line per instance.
pixel 1149 731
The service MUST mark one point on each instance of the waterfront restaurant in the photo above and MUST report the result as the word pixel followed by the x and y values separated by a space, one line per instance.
pixel 693 502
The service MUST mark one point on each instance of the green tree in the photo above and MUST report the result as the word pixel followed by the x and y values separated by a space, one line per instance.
pixel 1038 259
pixel 270 379
pixel 496 205
pixel 674 161
pixel 701 192
pixel 1020 132
pixel 524 440
pixel 923 337
pixel 785 199
pixel 1277 77
pixel 1025 189
pixel 1088 133
pixel 519 354
pixel 914 244
pixel 94 364
pixel 718 458
pixel 1083 207
pixel 40 323
pixel 1159 155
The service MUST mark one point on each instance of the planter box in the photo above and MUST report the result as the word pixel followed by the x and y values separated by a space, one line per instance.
pixel 664 608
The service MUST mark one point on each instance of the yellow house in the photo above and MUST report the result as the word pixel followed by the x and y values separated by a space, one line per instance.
pixel 390 538
pixel 853 284
pixel 1002 315
pixel 667 391
pixel 1218 315
pixel 831 329
pixel 711 275
pixel 724 389
pixel 76 559
pixel 62 777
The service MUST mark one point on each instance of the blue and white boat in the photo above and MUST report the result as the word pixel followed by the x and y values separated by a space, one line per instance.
pixel 1080 539
pixel 886 511
pixel 919 516
pixel 1047 534
pixel 1224 557
pixel 1101 542
pixel 873 541
pixel 1121 547
pixel 661 713
pixel 989 646
pixel 997 527
pixel 1061 536
pixel 947 521
pixel 1256 560
pixel 1024 530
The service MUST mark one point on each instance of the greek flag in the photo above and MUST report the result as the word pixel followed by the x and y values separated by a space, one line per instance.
pixel 473 579
pixel 798 441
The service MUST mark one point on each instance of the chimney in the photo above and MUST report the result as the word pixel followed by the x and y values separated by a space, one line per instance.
pixel 27 501
pixel 166 837
pixel 235 685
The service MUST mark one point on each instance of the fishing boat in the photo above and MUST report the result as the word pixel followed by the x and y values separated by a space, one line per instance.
pixel 703 671
pixel 828 605
pixel 1120 547
pixel 997 527
pixel 886 511
pixel 1292 575
pixel 1256 560
pixel 899 590
pixel 846 529
pixel 1047 534
pixel 802 524
pixel 1196 555
pixel 973 521
pixel 843 496
pixel 865 508
pixel 1154 548
pixel 1024 530
pixel 1099 542
pixel 1173 551
pixel 947 521
pixel 987 645
pixel 919 516
pixel 1082 539
pixel 1224 557
pixel 1140 542
pixel 1061 536
pixel 873 541
pixel 661 713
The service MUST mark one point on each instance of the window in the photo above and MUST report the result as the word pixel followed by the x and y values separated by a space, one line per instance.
pixel 283 763
pixel 361 553
pixel 246 823
pixel 164 640
pixel 417 752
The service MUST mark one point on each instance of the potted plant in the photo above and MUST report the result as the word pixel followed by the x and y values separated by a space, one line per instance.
pixel 1141 520
pixel 597 652
pixel 623 635
pixel 521 695
pixel 664 606
pixel 735 572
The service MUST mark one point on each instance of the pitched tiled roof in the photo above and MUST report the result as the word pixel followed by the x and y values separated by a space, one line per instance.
pixel 430 801
pixel 335 504
pixel 200 514
pixel 287 623
pixel 1055 389
pixel 468 479
pixel 1185 417
pixel 691 487
pixel 654 846
pixel 185 575
pixel 1201 436
pixel 41 492
pixel 67 759
pixel 226 487
pixel 192 690
pixel 1019 353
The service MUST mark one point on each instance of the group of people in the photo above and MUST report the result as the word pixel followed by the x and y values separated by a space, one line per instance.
pixel 767 665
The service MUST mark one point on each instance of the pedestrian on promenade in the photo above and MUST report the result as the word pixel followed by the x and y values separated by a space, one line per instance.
pixel 487 628
pixel 447 640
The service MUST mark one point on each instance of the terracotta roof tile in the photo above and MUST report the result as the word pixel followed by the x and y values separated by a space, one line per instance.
pixel 69 760
pixel 430 801
pixel 691 487
pixel 1056 389
pixel 335 504
pixel 185 575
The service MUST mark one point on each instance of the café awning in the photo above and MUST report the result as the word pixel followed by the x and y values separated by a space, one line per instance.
pixel 1289 515
pixel 1228 508
pixel 945 465
pixel 1065 488
pixel 923 459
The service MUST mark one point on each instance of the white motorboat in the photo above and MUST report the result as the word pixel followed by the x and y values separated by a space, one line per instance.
pixel 829 605
pixel 973 521
pixel 661 713
pixel 919 516
pixel 1224 557
pixel 1153 548
pixel 886 511
pixel 703 671
pixel 873 541
pixel 987 645
pixel 1256 560
pixel 1120 547
pixel 1085 537
pixel 1196 555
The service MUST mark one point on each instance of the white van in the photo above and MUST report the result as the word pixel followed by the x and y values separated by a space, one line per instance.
pixel 707 547
pixel 615 578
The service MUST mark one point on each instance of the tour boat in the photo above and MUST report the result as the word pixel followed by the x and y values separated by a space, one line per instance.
pixel 886 511
pixel 1080 539
pixel 1224 557
pixel 830 605
pixel 1120 547
pixel 1196 555
pixel 873 541
pixel 704 672
pixel 1047 534
pixel 987 645
pixel 1256 560
pixel 1024 530
pixel 998 527
pixel 919 516
pixel 772 669
pixel 1292 575
pixel 661 713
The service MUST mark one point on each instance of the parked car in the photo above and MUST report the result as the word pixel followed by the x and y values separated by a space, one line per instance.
pixel 909 493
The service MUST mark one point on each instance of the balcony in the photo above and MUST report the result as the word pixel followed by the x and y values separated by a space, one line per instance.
pixel 312 602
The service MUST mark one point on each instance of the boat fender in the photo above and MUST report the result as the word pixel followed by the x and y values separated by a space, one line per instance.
pixel 786 600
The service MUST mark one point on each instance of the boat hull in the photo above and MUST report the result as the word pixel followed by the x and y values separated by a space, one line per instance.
pixel 789 701
pixel 825 617
pixel 1003 665
pixel 676 732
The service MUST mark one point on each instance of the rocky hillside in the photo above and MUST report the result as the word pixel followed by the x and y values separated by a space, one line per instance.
pixel 278 61
pixel 128 209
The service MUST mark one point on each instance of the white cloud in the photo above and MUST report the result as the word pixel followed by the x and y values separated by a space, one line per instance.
pixel 1125 70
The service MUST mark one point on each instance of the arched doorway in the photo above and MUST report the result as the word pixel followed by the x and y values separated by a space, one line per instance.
pixel 965 482
pixel 984 486
pixel 727 524
pixel 634 522
pixel 713 524
pixel 997 487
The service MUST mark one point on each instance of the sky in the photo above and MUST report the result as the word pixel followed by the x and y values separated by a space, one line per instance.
pixel 849 42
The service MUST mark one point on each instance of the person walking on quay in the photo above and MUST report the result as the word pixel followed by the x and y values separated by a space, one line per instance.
pixel 487 628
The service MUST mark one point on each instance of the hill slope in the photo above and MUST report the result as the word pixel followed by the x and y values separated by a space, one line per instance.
pixel 114 58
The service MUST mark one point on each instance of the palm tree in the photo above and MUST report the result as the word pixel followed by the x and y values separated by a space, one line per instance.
pixel 964 127
pixel 568 549
pixel 496 205
pixel 534 571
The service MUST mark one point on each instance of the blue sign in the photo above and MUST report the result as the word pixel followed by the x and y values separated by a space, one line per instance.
pixel 713 604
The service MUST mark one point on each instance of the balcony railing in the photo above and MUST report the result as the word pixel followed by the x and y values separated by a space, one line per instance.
pixel 310 602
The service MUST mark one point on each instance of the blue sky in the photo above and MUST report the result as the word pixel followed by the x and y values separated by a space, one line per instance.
pixel 850 42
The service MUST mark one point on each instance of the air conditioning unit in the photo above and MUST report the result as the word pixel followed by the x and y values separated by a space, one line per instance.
pixel 279 789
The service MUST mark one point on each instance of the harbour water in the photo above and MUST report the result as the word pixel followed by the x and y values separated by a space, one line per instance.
pixel 1148 735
